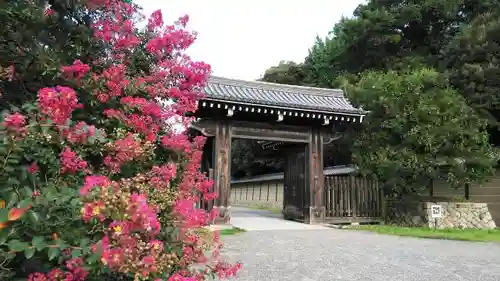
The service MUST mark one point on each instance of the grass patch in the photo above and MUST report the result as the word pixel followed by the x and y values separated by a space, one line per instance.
pixel 477 235
pixel 231 231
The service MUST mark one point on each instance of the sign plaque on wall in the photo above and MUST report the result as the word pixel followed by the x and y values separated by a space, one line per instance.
pixel 436 211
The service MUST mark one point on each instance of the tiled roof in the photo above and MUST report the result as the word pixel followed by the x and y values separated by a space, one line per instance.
pixel 279 95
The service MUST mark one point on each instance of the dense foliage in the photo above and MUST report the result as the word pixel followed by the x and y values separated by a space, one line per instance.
pixel 294 73
pixel 418 129
pixel 403 41
pixel 385 35
pixel 34 45
pixel 472 59
pixel 96 181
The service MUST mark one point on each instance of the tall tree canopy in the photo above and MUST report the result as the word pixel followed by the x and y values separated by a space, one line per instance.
pixel 418 129
pixel 286 72
pixel 418 43
pixel 34 45
pixel 385 35
pixel 472 60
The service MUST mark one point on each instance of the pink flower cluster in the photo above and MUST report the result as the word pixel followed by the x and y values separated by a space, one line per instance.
pixel 75 71
pixel 115 80
pixel 94 181
pixel 71 162
pixel 129 222
pixel 80 133
pixel 123 151
pixel 74 272
pixel 58 103
pixel 162 175
pixel 142 216
pixel 15 123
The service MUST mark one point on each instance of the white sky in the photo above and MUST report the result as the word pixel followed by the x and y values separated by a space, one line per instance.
pixel 241 39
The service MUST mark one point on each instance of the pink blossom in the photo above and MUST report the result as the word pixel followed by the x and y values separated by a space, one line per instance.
pixel 33 168
pixel 15 123
pixel 71 162
pixel 93 181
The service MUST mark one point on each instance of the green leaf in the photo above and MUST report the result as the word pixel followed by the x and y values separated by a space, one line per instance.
pixel 75 202
pixel 25 203
pixel 17 246
pixel 33 217
pixel 93 258
pixel 39 242
pixel 76 253
pixel 53 253
pixel 27 190
pixel 4 215
pixel 8 169
pixel 4 234
pixel 84 242
pixel 62 245
pixel 10 255
pixel 29 252
pixel 12 199
pixel 13 181
pixel 23 174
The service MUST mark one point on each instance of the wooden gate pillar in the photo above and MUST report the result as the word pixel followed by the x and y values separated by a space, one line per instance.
pixel 317 206
pixel 222 173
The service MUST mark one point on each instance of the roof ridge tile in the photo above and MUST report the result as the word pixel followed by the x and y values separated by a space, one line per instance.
pixel 287 96
pixel 277 87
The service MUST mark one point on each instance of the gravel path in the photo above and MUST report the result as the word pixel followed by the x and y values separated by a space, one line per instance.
pixel 300 253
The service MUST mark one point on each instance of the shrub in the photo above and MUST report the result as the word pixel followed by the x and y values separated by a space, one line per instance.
pixel 96 181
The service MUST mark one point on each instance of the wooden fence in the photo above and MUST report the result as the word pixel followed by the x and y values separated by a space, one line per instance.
pixel 348 196
pixel 345 195
pixel 265 191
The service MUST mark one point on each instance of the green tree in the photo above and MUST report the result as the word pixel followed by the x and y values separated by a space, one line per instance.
pixel 36 38
pixel 472 61
pixel 418 129
pixel 286 72
pixel 398 37
pixel 384 35
pixel 324 60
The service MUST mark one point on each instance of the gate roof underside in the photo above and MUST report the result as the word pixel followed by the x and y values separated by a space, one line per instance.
pixel 278 96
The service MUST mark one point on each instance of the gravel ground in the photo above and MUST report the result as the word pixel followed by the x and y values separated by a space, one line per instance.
pixel 330 254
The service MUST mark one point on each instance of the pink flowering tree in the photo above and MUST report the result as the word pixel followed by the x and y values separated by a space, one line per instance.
pixel 96 183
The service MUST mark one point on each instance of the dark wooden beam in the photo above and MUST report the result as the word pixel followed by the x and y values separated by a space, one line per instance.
pixel 270 132
pixel 256 130
pixel 222 173
pixel 317 206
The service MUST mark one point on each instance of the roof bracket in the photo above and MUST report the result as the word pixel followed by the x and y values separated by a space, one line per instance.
pixel 326 121
pixel 230 112
pixel 280 117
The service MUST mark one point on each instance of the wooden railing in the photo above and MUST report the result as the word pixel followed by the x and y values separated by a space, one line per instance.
pixel 352 196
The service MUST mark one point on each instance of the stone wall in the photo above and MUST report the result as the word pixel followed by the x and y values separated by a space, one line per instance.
pixel 413 213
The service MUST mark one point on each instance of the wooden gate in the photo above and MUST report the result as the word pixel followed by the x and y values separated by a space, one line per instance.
pixel 352 198
pixel 294 186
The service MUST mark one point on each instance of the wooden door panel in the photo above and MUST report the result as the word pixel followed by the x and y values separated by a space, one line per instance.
pixel 294 194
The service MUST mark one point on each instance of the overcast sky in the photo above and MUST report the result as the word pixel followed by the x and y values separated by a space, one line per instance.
pixel 241 39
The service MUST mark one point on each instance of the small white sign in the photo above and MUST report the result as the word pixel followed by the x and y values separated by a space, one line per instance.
pixel 436 211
